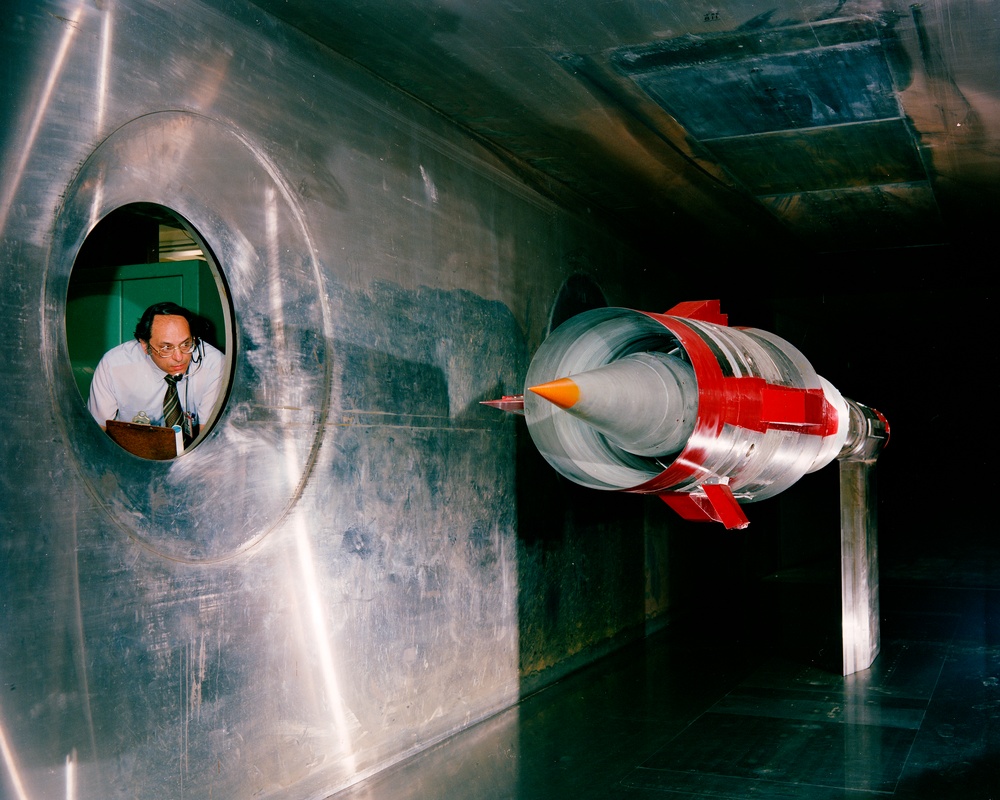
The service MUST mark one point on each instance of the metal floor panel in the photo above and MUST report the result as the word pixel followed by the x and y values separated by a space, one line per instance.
pixel 750 711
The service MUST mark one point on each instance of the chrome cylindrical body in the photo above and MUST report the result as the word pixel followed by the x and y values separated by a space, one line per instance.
pixel 764 416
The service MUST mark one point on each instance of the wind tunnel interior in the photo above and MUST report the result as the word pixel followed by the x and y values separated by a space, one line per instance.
pixel 359 560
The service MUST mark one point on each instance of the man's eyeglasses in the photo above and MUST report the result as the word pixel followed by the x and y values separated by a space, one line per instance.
pixel 186 347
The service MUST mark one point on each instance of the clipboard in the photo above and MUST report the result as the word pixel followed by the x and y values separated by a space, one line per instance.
pixel 146 441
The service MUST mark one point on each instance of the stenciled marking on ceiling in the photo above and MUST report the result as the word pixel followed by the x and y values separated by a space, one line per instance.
pixel 806 117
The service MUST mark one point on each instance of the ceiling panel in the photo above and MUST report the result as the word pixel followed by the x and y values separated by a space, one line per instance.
pixel 803 109
pixel 823 126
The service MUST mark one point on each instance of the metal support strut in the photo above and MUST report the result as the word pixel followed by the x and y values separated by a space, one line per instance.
pixel 869 432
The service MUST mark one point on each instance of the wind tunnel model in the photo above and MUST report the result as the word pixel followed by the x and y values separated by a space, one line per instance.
pixel 707 417
pixel 682 406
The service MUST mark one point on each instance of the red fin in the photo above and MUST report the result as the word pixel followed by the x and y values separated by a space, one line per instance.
pixel 704 310
pixel 717 505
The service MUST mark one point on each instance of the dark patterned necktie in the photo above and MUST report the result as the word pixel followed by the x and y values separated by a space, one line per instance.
pixel 172 413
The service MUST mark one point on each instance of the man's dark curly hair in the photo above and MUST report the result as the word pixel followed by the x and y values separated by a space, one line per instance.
pixel 144 328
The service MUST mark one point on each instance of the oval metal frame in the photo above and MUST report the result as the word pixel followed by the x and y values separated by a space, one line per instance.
pixel 224 495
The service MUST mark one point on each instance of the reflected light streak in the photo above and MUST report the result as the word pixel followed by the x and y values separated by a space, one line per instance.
pixel 321 635
pixel 8 760
pixel 277 300
pixel 103 68
pixel 71 776
pixel 102 93
pixel 96 203
pixel 80 632
pixel 307 563
pixel 45 98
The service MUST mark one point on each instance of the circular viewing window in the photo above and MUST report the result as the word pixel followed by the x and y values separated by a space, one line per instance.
pixel 148 327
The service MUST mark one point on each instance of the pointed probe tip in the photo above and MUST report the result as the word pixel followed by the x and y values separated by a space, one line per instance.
pixel 562 392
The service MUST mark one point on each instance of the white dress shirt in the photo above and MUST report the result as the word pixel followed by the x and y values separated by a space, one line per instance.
pixel 129 387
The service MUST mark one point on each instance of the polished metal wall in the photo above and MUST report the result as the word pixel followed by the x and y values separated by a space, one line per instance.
pixel 336 577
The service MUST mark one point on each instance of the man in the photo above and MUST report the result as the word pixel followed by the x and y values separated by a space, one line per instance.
pixel 131 381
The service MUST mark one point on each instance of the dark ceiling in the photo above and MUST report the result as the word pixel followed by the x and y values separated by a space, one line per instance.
pixel 802 127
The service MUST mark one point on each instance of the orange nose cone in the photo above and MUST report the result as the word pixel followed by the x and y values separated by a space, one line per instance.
pixel 563 392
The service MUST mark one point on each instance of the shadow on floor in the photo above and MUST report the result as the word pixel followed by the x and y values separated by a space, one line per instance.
pixel 752 706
